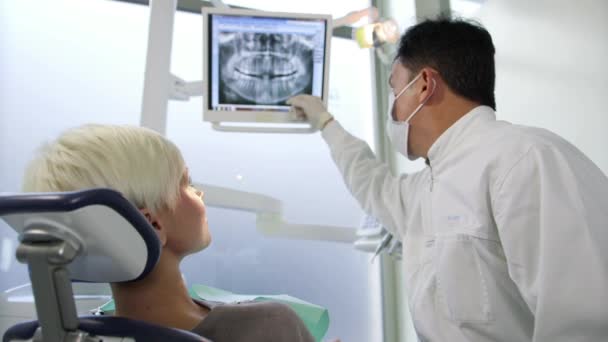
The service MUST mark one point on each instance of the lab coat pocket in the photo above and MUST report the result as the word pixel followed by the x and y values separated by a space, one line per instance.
pixel 461 285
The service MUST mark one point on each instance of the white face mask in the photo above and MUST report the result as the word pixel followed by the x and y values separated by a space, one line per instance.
pixel 398 131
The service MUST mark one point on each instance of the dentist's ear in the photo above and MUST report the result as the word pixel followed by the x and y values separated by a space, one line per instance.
pixel 161 232
pixel 429 86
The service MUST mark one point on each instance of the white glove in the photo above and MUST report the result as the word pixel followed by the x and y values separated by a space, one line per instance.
pixel 312 108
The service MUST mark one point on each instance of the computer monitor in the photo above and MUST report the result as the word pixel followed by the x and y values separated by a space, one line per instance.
pixel 254 61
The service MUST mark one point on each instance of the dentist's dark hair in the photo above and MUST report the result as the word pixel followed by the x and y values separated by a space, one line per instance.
pixel 461 51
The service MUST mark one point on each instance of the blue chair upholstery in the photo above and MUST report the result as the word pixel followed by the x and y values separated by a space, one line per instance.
pixel 109 326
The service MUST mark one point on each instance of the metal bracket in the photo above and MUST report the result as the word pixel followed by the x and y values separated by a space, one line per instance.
pixel 47 256
pixel 181 90
pixel 269 220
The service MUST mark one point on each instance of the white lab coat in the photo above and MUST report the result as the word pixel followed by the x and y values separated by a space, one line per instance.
pixel 505 233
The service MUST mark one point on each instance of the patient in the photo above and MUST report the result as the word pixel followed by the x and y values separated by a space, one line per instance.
pixel 150 172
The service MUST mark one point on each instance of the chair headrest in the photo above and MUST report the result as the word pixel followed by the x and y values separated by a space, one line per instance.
pixel 117 243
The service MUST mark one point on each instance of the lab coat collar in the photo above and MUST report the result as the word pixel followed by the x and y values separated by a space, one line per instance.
pixel 467 124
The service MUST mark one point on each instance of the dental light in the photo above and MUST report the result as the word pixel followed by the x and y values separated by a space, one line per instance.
pixel 366 28
pixel 376 34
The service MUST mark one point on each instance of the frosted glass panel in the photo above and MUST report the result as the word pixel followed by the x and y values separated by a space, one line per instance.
pixel 62 65
pixel 66 63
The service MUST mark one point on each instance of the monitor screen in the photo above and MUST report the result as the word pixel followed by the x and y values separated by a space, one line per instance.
pixel 257 61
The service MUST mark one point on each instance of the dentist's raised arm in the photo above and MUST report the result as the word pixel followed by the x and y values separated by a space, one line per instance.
pixel 369 180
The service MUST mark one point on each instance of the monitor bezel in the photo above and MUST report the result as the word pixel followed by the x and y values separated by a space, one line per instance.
pixel 257 116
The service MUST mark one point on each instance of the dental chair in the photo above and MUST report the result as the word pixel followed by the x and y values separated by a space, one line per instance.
pixel 92 235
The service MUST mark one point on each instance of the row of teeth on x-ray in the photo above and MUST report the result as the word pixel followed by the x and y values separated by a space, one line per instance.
pixel 266 91
pixel 262 42
pixel 266 68
pixel 266 65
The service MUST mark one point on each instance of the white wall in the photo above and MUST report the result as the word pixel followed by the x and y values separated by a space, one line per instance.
pixel 551 66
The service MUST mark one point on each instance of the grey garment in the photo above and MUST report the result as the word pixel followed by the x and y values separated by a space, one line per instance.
pixel 252 322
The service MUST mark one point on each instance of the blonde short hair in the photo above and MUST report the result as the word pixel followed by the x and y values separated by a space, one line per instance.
pixel 138 162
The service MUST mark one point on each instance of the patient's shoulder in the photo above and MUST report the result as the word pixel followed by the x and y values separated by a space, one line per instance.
pixel 249 307
pixel 253 321
pixel 269 308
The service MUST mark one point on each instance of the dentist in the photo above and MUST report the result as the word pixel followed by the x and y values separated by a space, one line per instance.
pixel 505 232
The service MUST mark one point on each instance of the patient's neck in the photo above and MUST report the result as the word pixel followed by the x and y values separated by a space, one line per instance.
pixel 160 298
